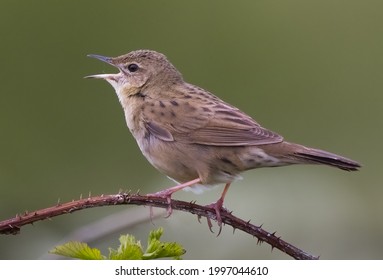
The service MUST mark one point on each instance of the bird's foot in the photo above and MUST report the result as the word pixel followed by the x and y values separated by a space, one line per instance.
pixel 167 194
pixel 218 208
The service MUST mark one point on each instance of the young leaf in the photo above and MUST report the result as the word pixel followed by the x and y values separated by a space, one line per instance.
pixel 78 250
pixel 157 249
pixel 129 249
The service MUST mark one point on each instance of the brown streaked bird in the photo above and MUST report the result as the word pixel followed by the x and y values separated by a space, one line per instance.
pixel 191 135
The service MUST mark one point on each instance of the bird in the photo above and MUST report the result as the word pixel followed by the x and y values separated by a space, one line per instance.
pixel 191 135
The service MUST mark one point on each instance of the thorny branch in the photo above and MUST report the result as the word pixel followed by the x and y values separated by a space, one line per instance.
pixel 13 225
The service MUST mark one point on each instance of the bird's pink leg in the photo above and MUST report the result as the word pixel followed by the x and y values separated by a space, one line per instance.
pixel 218 207
pixel 167 193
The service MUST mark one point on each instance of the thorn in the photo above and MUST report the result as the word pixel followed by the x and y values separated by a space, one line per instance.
pixel 58 202
pixel 248 222
pixel 220 229
pixel 234 230
pixel 80 196
pixel 25 213
pixel 209 224
pixel 122 197
pixel 151 214
pixel 199 218
pixel 138 192
pixel 89 194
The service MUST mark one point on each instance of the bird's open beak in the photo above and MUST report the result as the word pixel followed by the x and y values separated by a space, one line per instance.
pixel 106 59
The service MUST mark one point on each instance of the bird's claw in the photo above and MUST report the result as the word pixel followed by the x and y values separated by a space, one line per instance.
pixel 218 208
pixel 168 196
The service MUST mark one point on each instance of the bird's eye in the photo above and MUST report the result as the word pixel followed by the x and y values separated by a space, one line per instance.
pixel 132 67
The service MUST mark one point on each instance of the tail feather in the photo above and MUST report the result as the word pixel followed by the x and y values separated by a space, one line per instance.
pixel 323 157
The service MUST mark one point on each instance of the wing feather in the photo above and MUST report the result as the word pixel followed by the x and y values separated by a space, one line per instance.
pixel 208 122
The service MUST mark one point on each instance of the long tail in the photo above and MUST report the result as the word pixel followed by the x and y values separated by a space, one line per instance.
pixel 323 157
pixel 292 153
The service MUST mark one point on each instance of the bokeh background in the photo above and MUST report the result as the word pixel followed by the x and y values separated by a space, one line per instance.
pixel 310 70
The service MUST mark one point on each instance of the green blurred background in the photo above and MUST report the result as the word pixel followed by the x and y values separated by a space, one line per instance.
pixel 310 70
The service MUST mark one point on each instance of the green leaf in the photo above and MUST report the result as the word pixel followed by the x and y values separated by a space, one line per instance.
pixel 78 250
pixel 129 249
pixel 157 249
